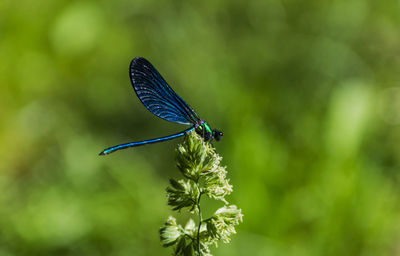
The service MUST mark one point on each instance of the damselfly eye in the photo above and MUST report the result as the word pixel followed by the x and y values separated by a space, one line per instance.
pixel 217 135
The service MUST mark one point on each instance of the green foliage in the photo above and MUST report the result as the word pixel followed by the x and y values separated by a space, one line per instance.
pixel 183 193
pixel 200 165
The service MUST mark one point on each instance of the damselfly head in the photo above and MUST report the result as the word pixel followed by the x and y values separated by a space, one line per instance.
pixel 217 134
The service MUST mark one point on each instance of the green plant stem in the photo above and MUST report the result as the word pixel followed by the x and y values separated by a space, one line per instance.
pixel 200 221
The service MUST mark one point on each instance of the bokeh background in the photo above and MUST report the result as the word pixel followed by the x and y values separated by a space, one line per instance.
pixel 306 92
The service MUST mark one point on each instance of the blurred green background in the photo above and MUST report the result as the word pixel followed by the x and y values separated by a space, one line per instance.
pixel 306 92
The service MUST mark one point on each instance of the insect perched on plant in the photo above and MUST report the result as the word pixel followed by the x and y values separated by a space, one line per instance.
pixel 159 98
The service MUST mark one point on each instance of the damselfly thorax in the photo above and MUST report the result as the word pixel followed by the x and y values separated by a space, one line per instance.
pixel 203 129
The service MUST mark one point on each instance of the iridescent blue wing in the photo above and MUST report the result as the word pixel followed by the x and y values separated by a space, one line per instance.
pixel 157 96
